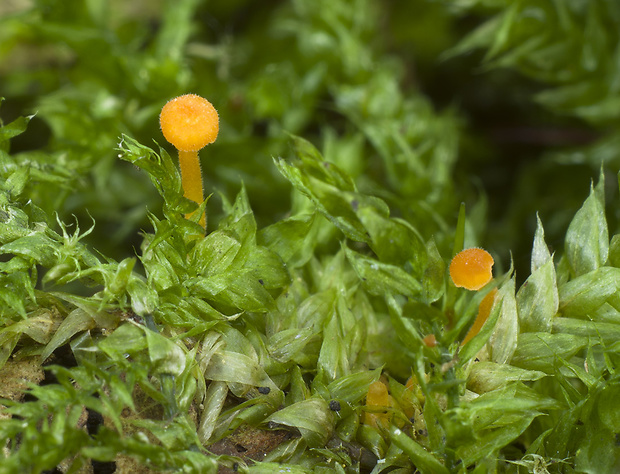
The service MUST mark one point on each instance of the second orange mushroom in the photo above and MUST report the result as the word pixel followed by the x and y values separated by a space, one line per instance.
pixel 472 269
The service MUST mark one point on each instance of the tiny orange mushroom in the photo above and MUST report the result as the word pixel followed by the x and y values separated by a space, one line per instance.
pixel 430 340
pixel 471 268
pixel 377 399
pixel 190 122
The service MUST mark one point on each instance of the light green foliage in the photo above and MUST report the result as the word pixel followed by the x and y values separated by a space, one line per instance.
pixel 537 299
pixel 324 265
pixel 572 45
pixel 587 238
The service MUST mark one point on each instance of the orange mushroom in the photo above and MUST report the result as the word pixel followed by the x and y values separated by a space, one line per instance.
pixel 377 399
pixel 430 340
pixel 190 123
pixel 471 268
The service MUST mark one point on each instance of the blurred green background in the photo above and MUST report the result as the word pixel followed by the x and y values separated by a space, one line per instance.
pixel 511 107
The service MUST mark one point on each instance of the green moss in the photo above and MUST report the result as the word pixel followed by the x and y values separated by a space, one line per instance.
pixel 324 265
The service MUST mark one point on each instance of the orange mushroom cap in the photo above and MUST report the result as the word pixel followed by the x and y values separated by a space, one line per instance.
pixel 189 122
pixel 471 268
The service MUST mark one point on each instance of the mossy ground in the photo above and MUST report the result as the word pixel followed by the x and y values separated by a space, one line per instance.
pixel 362 145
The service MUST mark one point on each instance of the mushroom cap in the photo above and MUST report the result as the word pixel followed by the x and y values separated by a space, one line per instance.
pixel 189 122
pixel 471 268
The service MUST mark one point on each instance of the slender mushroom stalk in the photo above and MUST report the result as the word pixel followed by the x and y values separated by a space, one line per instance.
pixel 484 310
pixel 190 123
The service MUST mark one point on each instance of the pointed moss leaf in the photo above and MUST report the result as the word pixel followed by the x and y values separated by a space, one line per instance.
pixel 315 308
pixel 243 229
pixel 479 37
pixel 76 321
pixel 8 341
pixel 13 300
pixel 194 461
pixel 459 234
pixel 371 439
pixel 118 283
pixel 330 189
pixel 487 376
pixel 583 296
pixel 537 299
pixel 606 333
pixel 268 268
pixel 236 368
pixel 39 327
pixel 494 439
pixel 236 272
pixel 298 390
pixel 614 251
pixel 433 282
pixel 543 351
pixel 240 209
pixel 568 428
pixel 286 344
pixel 16 182
pixel 311 417
pixel 315 165
pixel 161 167
pixel 587 239
pixel 422 459
pixel 144 298
pixel 13 225
pixel 213 403
pixel 598 450
pixel 215 253
pixel 37 246
pixel 353 388
pixel 503 340
pixel 332 362
pixel 406 330
pixel 14 128
pixel 380 278
pixel 174 435
pixel 241 290
pixel 393 240
pixel 540 251
pixel 127 339
pixel 423 312
pixel 335 204
pixel 290 238
pixel 608 406
pixel 166 356
pixel 500 416
pixel 162 171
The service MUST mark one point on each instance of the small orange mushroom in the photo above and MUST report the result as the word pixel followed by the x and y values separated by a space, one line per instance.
pixel 430 340
pixel 377 398
pixel 471 268
pixel 190 122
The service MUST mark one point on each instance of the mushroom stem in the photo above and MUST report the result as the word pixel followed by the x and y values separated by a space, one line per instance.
pixel 484 310
pixel 191 179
